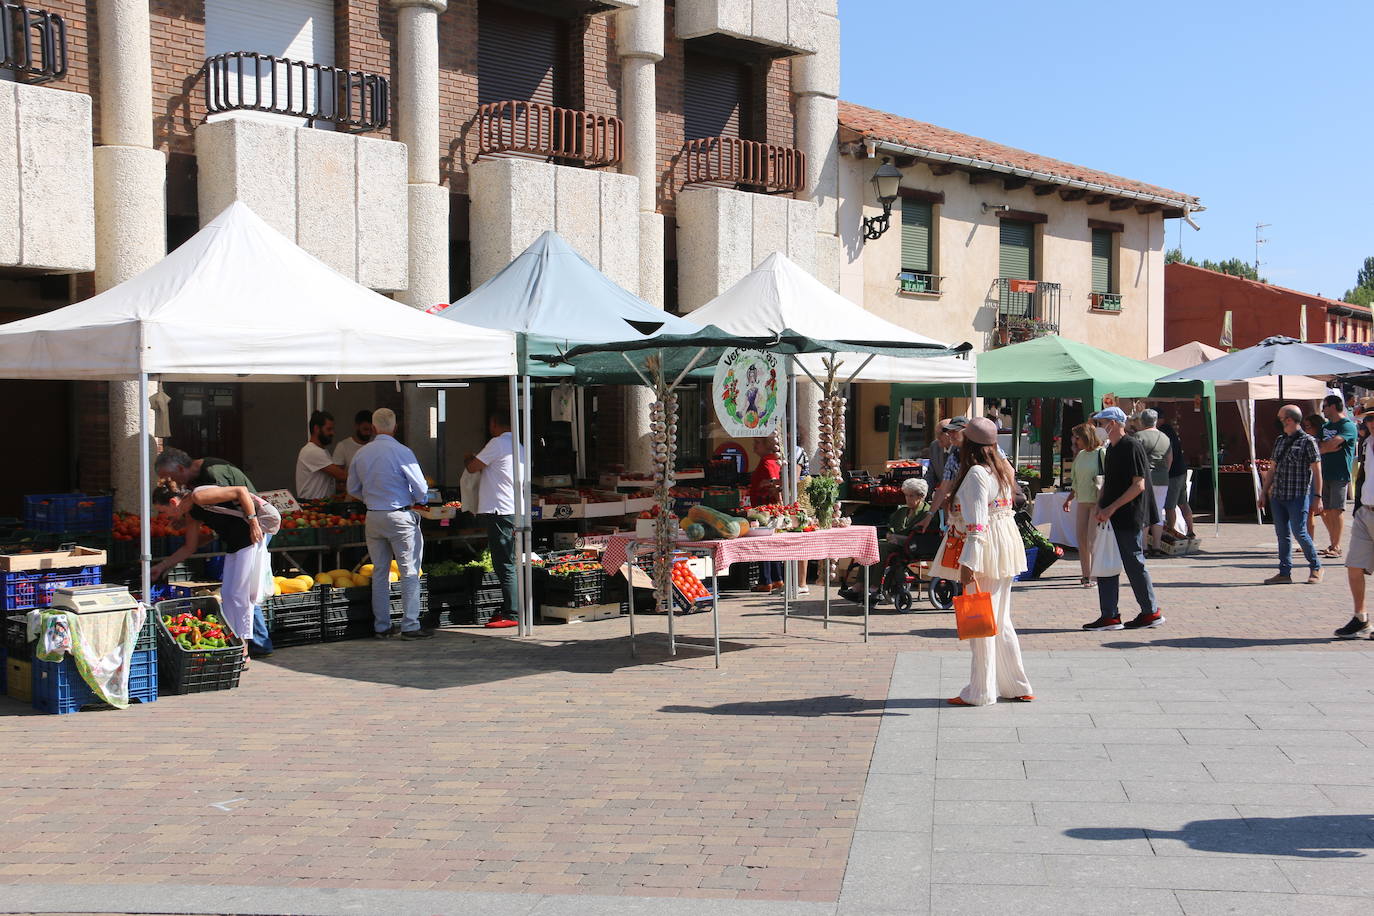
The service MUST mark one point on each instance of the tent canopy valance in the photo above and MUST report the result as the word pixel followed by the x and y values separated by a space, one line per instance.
pixel 554 299
pixel 1298 387
pixel 239 300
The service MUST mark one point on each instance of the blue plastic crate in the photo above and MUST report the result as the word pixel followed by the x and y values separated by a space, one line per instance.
pixel 24 591
pixel 1029 574
pixel 70 512
pixel 59 689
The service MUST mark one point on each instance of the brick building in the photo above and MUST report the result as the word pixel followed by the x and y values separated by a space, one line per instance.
pixel 413 145
pixel 1196 302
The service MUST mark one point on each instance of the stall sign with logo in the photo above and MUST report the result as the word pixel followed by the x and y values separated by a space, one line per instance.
pixel 749 392
pixel 281 500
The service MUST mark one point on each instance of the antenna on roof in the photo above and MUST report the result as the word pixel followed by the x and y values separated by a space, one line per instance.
pixel 1259 240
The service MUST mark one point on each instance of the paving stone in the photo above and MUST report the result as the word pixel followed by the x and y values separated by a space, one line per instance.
pixel 984 812
pixel 887 872
pixel 1227 903
pixel 1029 790
pixel 1110 871
pixel 986 868
pixel 980 900
pixel 1044 840
pixel 1312 876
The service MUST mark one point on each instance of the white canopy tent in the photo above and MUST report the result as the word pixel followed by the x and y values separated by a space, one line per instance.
pixel 239 300
pixel 1244 392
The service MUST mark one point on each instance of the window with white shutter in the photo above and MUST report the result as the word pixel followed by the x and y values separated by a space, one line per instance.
pixel 298 30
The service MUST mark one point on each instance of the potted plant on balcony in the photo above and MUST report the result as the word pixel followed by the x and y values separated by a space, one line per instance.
pixel 1018 328
pixel 913 282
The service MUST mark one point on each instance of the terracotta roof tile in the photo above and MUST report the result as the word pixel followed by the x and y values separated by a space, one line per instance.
pixel 880 125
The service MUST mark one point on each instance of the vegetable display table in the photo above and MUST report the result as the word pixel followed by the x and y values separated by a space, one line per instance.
pixel 857 541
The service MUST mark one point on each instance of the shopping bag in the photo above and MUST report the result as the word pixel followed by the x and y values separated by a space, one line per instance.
pixel 973 616
pixel 1106 555
pixel 954 549
pixel 468 485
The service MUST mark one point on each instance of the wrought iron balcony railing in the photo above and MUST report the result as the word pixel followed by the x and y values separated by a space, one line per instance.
pixel 537 129
pixel 744 164
pixel 1026 309
pixel 919 281
pixel 33 43
pixel 249 81
pixel 1105 302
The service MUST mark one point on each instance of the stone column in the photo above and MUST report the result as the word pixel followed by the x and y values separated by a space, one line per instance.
pixel 639 41
pixel 816 84
pixel 130 201
pixel 416 105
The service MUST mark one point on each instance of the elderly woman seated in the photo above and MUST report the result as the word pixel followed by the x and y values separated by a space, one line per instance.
pixel 902 524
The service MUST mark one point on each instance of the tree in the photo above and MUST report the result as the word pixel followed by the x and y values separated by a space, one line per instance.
pixel 1363 293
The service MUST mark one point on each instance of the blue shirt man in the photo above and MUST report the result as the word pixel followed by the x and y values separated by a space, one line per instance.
pixel 387 476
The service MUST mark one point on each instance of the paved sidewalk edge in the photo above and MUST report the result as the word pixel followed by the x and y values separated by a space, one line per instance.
pixel 232 900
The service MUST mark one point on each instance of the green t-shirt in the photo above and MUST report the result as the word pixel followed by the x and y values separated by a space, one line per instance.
pixel 1088 464
pixel 216 472
pixel 1156 447
pixel 1336 465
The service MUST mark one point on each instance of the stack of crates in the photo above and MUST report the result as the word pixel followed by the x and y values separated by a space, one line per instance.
pixel 346 613
pixel 58 687
pixel 69 513
pixel 294 620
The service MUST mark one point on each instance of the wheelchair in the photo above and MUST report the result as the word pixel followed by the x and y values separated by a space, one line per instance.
pixel 900 584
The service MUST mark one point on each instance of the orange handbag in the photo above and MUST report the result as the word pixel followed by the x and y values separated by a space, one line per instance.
pixel 954 548
pixel 973 616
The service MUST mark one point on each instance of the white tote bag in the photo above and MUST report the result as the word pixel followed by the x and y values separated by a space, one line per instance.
pixel 1106 555
pixel 468 486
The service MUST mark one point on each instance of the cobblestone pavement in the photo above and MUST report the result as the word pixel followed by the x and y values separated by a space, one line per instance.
pixel 1220 762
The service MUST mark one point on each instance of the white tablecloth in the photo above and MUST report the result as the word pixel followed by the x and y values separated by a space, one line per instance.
pixel 1048 509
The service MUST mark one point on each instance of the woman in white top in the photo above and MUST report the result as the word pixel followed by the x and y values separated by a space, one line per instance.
pixel 992 557
pixel 1088 467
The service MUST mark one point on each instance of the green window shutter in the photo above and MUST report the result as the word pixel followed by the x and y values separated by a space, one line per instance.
pixel 1016 258
pixel 1102 261
pixel 916 223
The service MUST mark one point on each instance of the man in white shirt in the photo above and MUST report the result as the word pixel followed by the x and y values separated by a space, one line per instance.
pixel 362 435
pixel 496 502
pixel 316 470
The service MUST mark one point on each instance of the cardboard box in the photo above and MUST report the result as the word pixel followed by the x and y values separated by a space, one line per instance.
pixel 437 513
pixel 56 559
pixel 19 679
pixel 581 614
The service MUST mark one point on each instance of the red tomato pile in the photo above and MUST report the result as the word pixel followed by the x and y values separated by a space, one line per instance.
pixel 318 518
pixel 687 583
pixel 127 527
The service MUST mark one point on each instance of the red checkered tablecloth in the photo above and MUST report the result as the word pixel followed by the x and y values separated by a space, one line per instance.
pixel 857 541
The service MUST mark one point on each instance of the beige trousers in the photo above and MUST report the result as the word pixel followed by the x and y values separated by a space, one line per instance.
pixel 997 669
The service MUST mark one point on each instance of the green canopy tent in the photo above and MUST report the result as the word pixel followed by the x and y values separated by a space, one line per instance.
pixel 1053 367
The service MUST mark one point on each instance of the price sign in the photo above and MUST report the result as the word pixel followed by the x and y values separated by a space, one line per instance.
pixel 281 500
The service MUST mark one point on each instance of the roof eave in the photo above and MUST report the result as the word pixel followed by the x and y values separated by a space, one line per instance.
pixel 1181 206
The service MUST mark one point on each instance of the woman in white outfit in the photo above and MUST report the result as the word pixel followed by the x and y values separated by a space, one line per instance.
pixel 232 513
pixel 992 557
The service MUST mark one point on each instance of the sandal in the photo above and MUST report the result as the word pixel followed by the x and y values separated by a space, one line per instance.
pixel 1028 698
pixel 957 701
pixel 1085 581
pixel 1331 553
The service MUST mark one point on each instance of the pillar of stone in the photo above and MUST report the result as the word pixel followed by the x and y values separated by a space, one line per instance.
pixel 639 42
pixel 130 202
pixel 816 84
pixel 416 106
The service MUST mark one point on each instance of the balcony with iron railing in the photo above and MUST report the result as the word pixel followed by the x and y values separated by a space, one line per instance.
pixel 919 283
pixel 1026 309
pixel 33 43
pixel 351 100
pixel 560 135
pixel 743 164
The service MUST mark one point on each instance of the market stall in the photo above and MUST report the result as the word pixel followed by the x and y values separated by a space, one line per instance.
pixel 552 299
pixel 239 300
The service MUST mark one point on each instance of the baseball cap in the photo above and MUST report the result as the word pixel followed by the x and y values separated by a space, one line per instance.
pixel 1111 413
pixel 954 424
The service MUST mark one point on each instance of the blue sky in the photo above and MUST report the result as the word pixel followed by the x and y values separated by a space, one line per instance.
pixel 1262 109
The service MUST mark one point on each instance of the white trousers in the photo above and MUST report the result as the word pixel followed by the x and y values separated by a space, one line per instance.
pixel 997 669
pixel 244 571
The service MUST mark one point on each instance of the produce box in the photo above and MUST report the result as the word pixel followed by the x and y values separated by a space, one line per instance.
pixel 585 614
pixel 196 670
pixel 58 687
pixel 71 512
pixel 19 679
pixel 23 591
pixel 69 558
pixel 295 537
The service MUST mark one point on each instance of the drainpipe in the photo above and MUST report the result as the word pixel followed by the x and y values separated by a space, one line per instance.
pixel 130 206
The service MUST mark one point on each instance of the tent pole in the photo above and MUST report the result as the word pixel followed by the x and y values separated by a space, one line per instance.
pixel 1216 472
pixel 790 464
pixel 309 402
pixel 527 520
pixel 145 492
pixel 1247 409
pixel 520 491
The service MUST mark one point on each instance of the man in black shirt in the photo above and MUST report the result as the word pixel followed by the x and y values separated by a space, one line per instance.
pixel 1128 505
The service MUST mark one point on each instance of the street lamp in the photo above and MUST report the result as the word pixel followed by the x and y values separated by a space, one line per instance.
pixel 885 182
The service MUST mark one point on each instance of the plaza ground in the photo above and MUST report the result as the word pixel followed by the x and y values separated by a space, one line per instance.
pixel 1220 763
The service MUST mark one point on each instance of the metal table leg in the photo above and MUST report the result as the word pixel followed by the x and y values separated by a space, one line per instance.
pixel 634 651
pixel 867 600
pixel 786 602
pixel 672 630
pixel 715 609
pixel 826 575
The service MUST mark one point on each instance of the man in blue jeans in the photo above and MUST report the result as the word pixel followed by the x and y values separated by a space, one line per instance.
pixel 1128 506
pixel 1287 486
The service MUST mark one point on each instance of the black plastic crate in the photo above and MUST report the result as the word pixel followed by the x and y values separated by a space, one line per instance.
pixel 450 585
pixel 16 637
pixel 352 629
pixel 183 671
pixel 741 576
